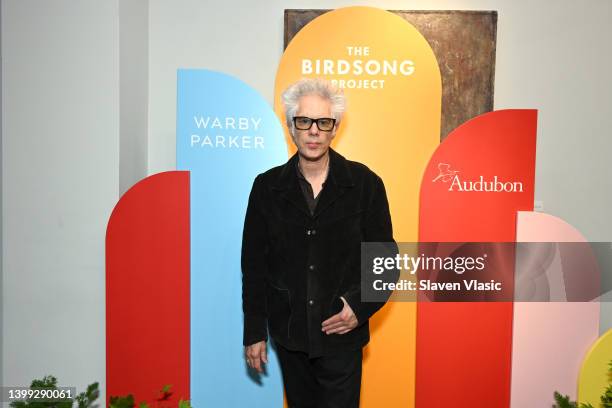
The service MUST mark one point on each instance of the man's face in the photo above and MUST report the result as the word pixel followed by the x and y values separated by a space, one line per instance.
pixel 313 143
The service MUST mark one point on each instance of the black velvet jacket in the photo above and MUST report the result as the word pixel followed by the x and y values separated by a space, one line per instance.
pixel 295 266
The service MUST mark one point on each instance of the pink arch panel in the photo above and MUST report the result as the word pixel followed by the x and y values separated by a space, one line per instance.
pixel 550 339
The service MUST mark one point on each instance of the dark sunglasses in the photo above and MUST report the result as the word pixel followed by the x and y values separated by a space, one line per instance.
pixel 305 123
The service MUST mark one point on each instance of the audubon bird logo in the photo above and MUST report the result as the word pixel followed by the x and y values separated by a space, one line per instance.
pixel 446 174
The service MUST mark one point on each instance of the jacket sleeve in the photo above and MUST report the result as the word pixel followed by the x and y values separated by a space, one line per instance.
pixel 254 267
pixel 376 228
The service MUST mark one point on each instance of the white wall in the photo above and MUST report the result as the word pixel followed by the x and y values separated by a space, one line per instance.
pixel 60 180
pixel 1 225
pixel 133 91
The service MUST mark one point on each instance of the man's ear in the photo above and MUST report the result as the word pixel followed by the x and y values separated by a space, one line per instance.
pixel 335 130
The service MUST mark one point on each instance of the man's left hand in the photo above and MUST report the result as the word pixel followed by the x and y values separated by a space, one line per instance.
pixel 342 322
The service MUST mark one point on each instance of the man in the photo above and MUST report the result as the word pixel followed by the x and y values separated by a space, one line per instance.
pixel 302 237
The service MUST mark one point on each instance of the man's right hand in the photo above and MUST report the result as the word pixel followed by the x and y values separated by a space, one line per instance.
pixel 256 355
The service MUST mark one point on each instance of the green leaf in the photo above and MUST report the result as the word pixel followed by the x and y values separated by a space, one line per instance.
pixel 122 402
pixel 63 404
pixel 48 381
pixel 184 404
pixel 563 401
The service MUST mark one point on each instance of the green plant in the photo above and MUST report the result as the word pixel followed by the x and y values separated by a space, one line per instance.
pixel 87 398
pixel 606 398
pixel 165 394
pixel 563 401
pixel 84 400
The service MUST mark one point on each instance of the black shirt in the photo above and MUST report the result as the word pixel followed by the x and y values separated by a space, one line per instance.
pixel 311 200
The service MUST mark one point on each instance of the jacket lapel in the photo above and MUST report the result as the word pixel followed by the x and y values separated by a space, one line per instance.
pixel 329 194
pixel 338 181
pixel 295 196
pixel 289 187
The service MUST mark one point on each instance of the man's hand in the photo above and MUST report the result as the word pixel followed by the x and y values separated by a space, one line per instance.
pixel 256 355
pixel 342 322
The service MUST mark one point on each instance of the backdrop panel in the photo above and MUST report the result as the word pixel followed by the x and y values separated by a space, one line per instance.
pixel 475 183
pixel 392 125
pixel 226 135
pixel 147 290
pixel 595 370
pixel 549 339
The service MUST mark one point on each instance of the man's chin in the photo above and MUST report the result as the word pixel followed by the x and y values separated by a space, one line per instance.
pixel 311 155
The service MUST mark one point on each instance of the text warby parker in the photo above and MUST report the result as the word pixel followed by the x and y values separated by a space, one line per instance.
pixel 227 123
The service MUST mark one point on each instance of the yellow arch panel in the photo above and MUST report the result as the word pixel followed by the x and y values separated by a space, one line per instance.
pixel 594 377
pixel 393 129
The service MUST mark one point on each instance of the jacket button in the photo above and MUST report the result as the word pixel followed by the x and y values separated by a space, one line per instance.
pixel 311 302
pixel 311 267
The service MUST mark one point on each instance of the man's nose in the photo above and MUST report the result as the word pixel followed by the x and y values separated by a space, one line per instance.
pixel 314 129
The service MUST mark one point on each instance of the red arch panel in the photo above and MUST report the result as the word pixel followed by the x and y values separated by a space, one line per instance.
pixel 464 349
pixel 147 290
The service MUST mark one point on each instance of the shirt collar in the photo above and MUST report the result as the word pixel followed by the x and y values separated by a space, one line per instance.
pixel 300 175
pixel 339 171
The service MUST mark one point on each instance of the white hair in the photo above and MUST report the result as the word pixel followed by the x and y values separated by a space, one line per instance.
pixel 312 86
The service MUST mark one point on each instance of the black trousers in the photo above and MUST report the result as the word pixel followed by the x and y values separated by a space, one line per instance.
pixel 321 382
